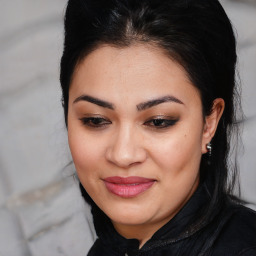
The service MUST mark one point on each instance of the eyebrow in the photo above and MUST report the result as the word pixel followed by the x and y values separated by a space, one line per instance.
pixel 154 102
pixel 140 107
pixel 94 100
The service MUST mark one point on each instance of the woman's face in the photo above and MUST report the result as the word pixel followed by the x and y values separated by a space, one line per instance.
pixel 136 134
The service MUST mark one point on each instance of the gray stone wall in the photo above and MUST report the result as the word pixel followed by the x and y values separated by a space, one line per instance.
pixel 243 17
pixel 41 211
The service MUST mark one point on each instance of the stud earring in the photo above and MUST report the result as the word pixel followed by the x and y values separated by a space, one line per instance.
pixel 209 148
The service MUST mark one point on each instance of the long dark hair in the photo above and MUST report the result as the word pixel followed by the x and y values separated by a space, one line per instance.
pixel 195 33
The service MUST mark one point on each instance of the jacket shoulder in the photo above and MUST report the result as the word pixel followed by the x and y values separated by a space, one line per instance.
pixel 238 235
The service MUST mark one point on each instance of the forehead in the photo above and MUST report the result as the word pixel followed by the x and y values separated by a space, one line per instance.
pixel 140 71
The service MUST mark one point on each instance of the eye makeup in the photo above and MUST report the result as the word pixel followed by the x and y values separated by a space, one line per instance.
pixel 95 121
pixel 160 122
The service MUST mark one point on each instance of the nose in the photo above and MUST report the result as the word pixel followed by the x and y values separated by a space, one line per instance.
pixel 126 148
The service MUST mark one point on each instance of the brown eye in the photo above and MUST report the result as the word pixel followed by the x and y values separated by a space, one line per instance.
pixel 159 123
pixel 96 122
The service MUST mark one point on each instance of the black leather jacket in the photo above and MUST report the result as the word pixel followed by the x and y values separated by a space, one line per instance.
pixel 230 231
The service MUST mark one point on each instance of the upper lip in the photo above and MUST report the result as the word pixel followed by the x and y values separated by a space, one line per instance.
pixel 128 180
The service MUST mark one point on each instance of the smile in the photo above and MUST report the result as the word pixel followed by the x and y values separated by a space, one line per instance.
pixel 128 187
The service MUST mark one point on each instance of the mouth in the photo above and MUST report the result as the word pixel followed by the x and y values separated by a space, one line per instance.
pixel 128 187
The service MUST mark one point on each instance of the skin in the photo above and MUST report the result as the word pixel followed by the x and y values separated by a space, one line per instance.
pixel 124 141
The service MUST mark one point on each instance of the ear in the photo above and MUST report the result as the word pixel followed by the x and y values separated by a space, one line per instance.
pixel 211 122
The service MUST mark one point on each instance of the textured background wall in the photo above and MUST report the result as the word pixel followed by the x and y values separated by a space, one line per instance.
pixel 41 211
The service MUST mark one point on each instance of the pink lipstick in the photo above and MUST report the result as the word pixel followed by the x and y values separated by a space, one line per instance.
pixel 128 186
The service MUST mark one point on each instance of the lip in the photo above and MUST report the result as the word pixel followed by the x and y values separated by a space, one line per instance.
pixel 128 187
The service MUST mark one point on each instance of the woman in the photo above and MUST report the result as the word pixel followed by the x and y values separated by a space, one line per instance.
pixel 148 95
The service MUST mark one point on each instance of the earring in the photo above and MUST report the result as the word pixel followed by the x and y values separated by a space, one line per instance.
pixel 209 148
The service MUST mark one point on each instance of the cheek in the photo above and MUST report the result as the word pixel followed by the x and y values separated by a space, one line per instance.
pixel 178 151
pixel 84 149
pixel 86 155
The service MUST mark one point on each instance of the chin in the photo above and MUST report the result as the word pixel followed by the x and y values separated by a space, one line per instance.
pixel 130 220
pixel 127 215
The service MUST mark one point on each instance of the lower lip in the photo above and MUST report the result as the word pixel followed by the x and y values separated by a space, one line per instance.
pixel 128 190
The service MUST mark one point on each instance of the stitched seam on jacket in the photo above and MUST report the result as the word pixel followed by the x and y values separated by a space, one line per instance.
pixel 247 250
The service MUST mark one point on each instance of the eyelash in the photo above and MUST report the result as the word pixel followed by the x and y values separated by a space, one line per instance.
pixel 95 122
pixel 157 123
pixel 154 123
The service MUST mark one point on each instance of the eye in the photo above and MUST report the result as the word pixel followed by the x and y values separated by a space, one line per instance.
pixel 95 122
pixel 160 123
